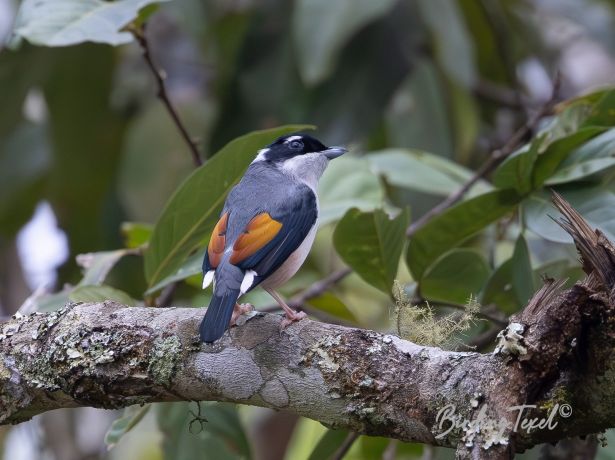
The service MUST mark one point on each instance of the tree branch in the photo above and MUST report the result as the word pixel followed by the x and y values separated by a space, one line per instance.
pixel 558 352
pixel 494 160
pixel 159 76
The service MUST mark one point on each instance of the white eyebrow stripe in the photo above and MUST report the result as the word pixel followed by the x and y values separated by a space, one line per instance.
pixel 293 138
pixel 261 155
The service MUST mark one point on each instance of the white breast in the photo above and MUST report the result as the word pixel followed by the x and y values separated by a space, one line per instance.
pixel 288 269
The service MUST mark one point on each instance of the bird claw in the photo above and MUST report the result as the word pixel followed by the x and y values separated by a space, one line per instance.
pixel 290 318
pixel 240 309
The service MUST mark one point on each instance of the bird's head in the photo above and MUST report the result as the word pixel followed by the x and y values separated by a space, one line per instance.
pixel 300 155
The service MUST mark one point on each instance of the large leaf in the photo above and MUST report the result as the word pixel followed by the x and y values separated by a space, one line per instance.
pixel 455 277
pixel 322 27
pixel 92 293
pixel 348 183
pixel 371 244
pixel 97 265
pixel 596 203
pixel 452 227
pixel 418 116
pixel 549 160
pixel 129 419
pixel 516 171
pixel 512 284
pixel 422 171
pixel 193 265
pixel 192 211
pixel 218 433
pixel 594 156
pixel 452 42
pixel 69 22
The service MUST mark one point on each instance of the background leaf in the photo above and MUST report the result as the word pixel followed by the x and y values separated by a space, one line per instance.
pixel 337 22
pixel 69 22
pixel 130 418
pixel 453 226
pixel 455 277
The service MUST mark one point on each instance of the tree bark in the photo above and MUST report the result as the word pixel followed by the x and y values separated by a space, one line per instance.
pixel 556 355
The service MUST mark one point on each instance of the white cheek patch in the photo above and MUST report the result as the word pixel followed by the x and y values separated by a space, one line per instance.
pixel 247 282
pixel 209 277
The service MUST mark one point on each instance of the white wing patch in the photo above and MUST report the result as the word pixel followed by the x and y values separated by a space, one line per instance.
pixel 209 277
pixel 247 282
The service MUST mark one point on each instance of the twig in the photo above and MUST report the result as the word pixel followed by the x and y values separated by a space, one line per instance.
pixel 314 290
pixel 343 449
pixel 496 158
pixel 159 76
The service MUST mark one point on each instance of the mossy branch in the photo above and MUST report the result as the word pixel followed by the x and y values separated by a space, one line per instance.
pixel 559 350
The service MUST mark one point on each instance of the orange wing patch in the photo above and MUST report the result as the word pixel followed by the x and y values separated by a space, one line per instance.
pixel 259 231
pixel 215 249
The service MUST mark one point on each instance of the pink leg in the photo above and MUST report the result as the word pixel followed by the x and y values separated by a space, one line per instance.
pixel 291 315
pixel 240 309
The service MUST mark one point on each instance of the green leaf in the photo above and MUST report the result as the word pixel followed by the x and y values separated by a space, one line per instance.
pixel 336 22
pixel 451 228
pixel 69 22
pixel 91 293
pixel 328 444
pixel 129 419
pixel 192 211
pixel 418 116
pixel 219 433
pixel 596 203
pixel 512 284
pixel 348 183
pixel 193 265
pixel 499 289
pixel 371 244
pixel 452 42
pixel 562 269
pixel 516 171
pixel 97 265
pixel 522 280
pixel 136 234
pixel 422 171
pixel 594 156
pixel 549 160
pixel 333 306
pixel 455 277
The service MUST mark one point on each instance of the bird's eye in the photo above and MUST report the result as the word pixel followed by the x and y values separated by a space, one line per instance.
pixel 296 145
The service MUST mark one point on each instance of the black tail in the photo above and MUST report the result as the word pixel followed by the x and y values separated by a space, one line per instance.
pixel 218 315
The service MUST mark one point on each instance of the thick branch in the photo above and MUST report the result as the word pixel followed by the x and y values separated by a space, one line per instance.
pixel 557 353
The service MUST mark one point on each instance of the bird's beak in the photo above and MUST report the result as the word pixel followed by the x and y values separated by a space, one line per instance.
pixel 334 152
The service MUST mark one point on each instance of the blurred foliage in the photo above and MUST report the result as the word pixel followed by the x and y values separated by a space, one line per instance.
pixel 422 91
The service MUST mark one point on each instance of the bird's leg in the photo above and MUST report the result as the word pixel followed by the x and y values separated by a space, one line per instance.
pixel 238 310
pixel 291 315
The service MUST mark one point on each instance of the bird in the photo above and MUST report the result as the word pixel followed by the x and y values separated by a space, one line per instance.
pixel 265 230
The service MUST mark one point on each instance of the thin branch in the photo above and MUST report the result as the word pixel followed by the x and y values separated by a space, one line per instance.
pixel 159 76
pixel 345 446
pixel 496 158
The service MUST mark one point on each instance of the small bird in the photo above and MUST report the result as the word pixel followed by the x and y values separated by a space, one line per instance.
pixel 265 230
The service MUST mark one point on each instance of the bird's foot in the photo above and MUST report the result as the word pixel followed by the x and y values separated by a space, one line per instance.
pixel 291 317
pixel 240 309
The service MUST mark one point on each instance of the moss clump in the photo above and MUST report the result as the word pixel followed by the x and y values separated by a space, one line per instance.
pixel 419 323
pixel 164 359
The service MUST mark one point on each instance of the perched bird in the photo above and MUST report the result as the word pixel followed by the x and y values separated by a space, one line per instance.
pixel 266 229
